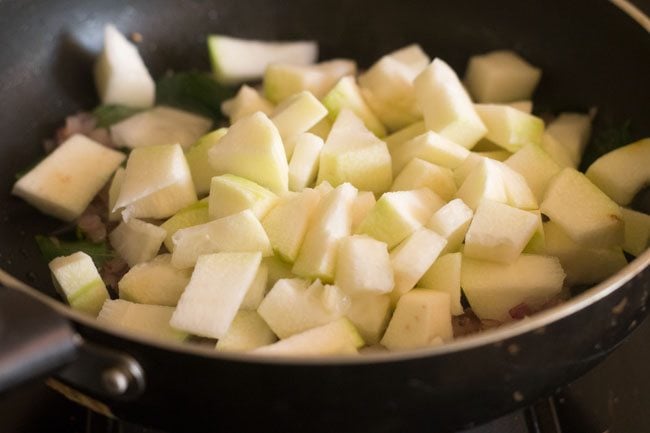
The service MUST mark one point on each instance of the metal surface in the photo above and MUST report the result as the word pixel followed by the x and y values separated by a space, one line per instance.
pixel 46 75
pixel 34 340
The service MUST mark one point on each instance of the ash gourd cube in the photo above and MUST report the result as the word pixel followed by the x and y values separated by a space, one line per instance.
pixel 623 172
pixel 197 159
pixel 246 332
pixel 159 126
pixel 157 183
pixel 252 148
pixel 451 222
pixel 422 318
pixel 346 95
pixel 583 211
pixel 236 60
pixel 398 214
pixel 501 76
pixel 332 222
pixel 287 223
pixel 419 173
pixel 281 80
pixel 65 182
pixel 215 293
pixel 397 138
pixel 637 231
pixel 240 232
pixel 230 194
pixel 294 305
pixel 193 215
pixel 148 320
pixel 353 154
pixel 335 338
pixel 297 114
pixel 430 147
pixel 493 288
pixel 370 314
pixel 154 282
pixel 121 76
pixel 246 102
pixel 582 264
pixel 363 266
pixel 137 241
pixel 77 279
pixel 510 128
pixel 303 165
pixel 446 106
pixel 444 276
pixel 572 131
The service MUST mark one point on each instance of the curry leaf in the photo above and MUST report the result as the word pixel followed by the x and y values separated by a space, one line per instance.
pixel 108 115
pixel 52 247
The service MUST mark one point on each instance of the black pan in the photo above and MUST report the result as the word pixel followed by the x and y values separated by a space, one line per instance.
pixel 592 54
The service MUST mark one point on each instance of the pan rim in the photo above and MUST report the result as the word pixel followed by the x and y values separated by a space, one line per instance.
pixel 494 336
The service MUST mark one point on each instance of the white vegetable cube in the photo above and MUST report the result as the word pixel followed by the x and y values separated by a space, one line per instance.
pixel 444 276
pixel 557 151
pixel 246 102
pixel 346 95
pixel 572 130
pixel 137 241
pixel 431 147
pixel 398 214
pixel 446 106
pixel 484 182
pixel 451 222
pixel 193 215
pixel 158 126
pixel 623 172
pixel 235 60
pixel 121 76
pixel 218 286
pixel 253 149
pixel 335 338
pixel 247 331
pixel 501 76
pixel 413 257
pixel 240 232
pixel 257 289
pixel 467 166
pixel 332 221
pixel 493 289
pixel 582 210
pixel 397 138
pixel 230 194
pixel 362 205
pixel 412 56
pixel 637 231
pixel 421 318
pixel 363 266
pixel 296 115
pixel 77 279
pixel 499 232
pixel 536 166
pixel 281 80
pixel 293 306
pixel 537 243
pixel 65 182
pixel 197 159
pixel 147 320
pixel 388 88
pixel 303 165
pixel 370 314
pixel 154 282
pixel 422 174
pixel 113 193
pixel 510 128
pixel 157 183
pixel 355 155
pixel 287 223
pixel 517 190
pixel 583 265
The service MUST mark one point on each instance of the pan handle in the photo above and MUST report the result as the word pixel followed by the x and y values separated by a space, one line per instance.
pixel 34 339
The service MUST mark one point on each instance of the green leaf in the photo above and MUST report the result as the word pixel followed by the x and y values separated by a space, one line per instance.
pixel 52 247
pixel 197 92
pixel 108 115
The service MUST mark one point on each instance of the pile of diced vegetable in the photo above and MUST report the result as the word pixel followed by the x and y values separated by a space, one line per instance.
pixel 338 210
